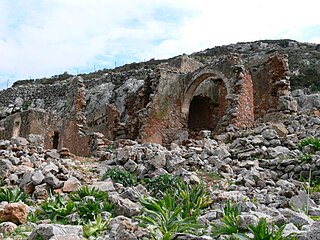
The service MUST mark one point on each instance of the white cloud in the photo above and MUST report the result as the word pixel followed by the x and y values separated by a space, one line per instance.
pixel 43 38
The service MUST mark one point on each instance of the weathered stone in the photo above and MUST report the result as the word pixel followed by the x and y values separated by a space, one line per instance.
pixel 6 167
pixel 13 212
pixel 50 167
pixel 122 228
pixel 41 191
pixel 106 185
pixel 56 231
pixel 53 153
pixel 187 236
pixel 37 177
pixel 125 206
pixel 281 129
pixel 7 227
pixel 301 202
pixel 71 185
pixel 52 180
pixel 297 218
pixel 269 134
pixel 19 141
pixel 130 165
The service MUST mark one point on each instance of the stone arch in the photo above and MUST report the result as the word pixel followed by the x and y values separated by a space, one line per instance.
pixel 201 111
pixel 196 80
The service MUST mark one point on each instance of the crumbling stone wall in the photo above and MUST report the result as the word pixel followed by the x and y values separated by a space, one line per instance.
pixel 74 134
pixel 153 104
pixel 271 84
pixel 37 122
pixel 166 115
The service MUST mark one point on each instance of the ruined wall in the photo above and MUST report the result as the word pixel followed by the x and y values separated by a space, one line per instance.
pixel 167 113
pixel 153 104
pixel 245 114
pixel 74 133
pixel 271 84
pixel 28 122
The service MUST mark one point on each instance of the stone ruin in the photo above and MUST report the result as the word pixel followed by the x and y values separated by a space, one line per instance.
pixel 170 103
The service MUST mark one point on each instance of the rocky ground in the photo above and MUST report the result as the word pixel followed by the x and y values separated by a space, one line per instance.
pixel 269 172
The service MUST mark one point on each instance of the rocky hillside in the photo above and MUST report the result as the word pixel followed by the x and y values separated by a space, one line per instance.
pixel 235 186
pixel 109 86
pixel 257 183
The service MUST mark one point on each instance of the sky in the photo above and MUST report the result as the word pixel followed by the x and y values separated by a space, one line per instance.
pixel 42 38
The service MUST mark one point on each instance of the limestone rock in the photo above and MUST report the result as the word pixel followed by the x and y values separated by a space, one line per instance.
pixel 13 212
pixel 56 231
pixel 7 227
pixel 71 185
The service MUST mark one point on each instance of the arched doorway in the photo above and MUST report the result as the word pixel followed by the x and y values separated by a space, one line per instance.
pixel 200 113
pixel 208 106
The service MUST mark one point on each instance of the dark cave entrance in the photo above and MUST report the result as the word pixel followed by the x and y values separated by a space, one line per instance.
pixel 55 140
pixel 201 114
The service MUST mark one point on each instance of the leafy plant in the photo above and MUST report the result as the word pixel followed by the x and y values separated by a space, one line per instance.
pixel 305 157
pixel 86 191
pixel 90 208
pixel 56 208
pixel 192 199
pixel 162 183
pixel 93 228
pixel 12 195
pixel 118 175
pixel 262 232
pixel 166 216
pixel 19 233
pixel 312 143
pixel 230 221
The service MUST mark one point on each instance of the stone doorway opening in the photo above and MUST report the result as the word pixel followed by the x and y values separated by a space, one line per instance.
pixel 55 140
pixel 200 113
pixel 207 107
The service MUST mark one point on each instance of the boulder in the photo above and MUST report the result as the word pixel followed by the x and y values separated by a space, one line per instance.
pixel 13 212
pixel 56 231
pixel 71 185
pixel 7 227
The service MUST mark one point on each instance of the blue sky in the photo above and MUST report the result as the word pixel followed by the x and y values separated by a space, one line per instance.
pixel 48 37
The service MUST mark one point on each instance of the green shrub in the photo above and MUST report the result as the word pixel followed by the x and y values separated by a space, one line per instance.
pixel 93 228
pixel 56 208
pixel 312 143
pixel 163 183
pixel 305 157
pixel 118 175
pixel 166 216
pixel 192 198
pixel 89 209
pixel 12 195
pixel 230 221
pixel 86 191
pixel 262 232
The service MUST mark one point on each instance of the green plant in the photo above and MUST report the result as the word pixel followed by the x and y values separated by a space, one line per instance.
pixel 305 157
pixel 165 215
pixel 12 195
pixel 230 221
pixel 90 208
pixel 93 228
pixel 56 208
pixel 86 191
pixel 312 143
pixel 262 232
pixel 118 175
pixel 192 199
pixel 162 183
pixel 19 233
